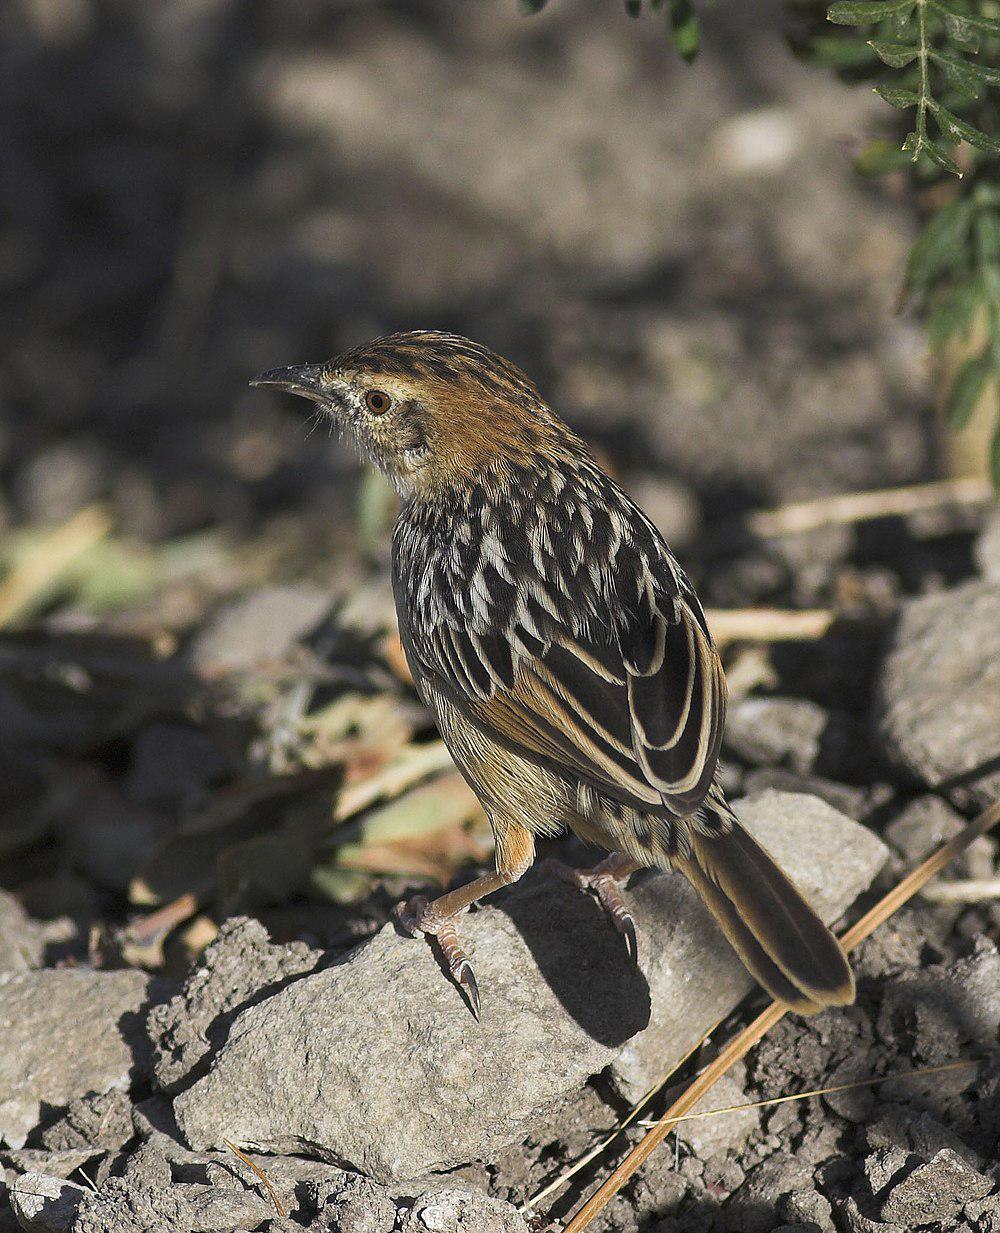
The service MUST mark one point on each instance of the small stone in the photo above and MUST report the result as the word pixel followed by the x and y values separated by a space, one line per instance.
pixel 881 1167
pixel 458 1210
pixel 121 1206
pixel 855 1221
pixel 752 1208
pixel 707 1136
pixel 936 1190
pixel 258 628
pixel 776 732
pixel 239 967
pixel 984 1214
pixel 98 1120
pixel 940 691
pixel 357 1206
pixel 44 1204
pixel 21 939
pixel 148 1166
pixel 807 1208
pixel 95 1018
pixel 943 1009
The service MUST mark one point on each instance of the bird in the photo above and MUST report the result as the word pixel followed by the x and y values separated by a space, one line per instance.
pixel 562 651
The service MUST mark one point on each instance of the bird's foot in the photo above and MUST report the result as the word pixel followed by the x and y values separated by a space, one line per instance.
pixel 605 881
pixel 417 915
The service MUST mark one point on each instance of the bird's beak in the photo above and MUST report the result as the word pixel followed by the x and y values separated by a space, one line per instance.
pixel 305 380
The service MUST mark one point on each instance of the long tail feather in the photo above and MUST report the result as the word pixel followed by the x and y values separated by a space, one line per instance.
pixel 779 937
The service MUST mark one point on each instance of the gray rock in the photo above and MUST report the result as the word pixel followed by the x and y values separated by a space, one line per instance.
pixel 94 1018
pixel 752 1207
pixel 707 1136
pixel 855 1221
pixel 694 978
pixel 52 1164
pixel 302 1071
pixel 457 1209
pixel 356 1205
pixel 936 1190
pixel 984 1214
pixel 942 1010
pixel 776 731
pixel 98 1120
pixel 21 939
pixel 44 1204
pixel 402 1089
pixel 259 627
pixel 882 1166
pixel 808 1209
pixel 238 967
pixel 121 1206
pixel 940 690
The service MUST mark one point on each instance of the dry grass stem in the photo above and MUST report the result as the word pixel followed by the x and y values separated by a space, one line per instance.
pixel 862 506
pixel 821 1091
pixel 768 624
pixel 744 1041
pixel 971 890
pixel 272 1193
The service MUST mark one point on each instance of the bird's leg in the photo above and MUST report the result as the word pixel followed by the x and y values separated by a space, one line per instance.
pixel 606 881
pixel 438 918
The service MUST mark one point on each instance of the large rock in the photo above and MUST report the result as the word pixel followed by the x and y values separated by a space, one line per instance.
pixel 239 967
pixel 64 1033
pixel 378 1064
pixel 940 691
pixel 695 979
pixel 415 1084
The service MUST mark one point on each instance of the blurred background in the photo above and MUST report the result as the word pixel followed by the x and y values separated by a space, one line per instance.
pixel 198 654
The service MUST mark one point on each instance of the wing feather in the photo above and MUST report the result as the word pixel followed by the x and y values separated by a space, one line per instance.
pixel 605 671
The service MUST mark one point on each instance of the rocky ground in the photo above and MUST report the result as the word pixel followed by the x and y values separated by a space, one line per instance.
pixel 216 779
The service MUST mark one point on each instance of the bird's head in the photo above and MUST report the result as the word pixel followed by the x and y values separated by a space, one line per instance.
pixel 431 410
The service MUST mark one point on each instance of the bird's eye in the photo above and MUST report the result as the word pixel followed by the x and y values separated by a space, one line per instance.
pixel 377 402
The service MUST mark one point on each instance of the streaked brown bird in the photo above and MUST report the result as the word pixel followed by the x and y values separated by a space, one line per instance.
pixel 563 651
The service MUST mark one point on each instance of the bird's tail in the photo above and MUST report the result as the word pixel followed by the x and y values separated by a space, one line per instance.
pixel 779 937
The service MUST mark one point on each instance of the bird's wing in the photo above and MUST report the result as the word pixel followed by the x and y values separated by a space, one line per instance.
pixel 603 667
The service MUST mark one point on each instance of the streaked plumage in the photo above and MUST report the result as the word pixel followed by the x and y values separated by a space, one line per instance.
pixel 560 646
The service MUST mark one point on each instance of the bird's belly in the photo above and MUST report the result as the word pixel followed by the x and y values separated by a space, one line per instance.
pixel 511 788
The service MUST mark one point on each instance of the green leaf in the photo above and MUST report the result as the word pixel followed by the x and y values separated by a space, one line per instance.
pixel 966 390
pixel 954 314
pixel 941 246
pixel 864 12
pixel 898 98
pixel 685 31
pixel 896 55
pixel 995 457
pixel 879 157
pixel 960 130
pixel 960 69
pixel 968 21
pixel 940 157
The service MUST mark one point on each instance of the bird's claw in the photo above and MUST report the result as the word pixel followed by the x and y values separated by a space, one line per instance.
pixel 414 917
pixel 604 882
